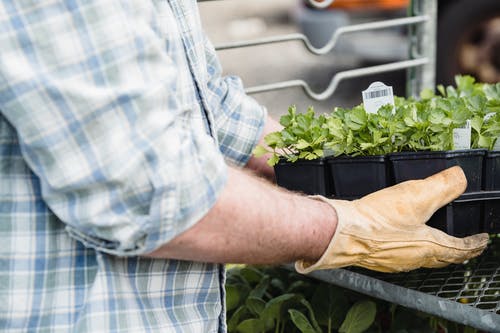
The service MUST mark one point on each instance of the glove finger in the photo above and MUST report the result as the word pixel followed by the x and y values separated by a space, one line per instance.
pixel 401 256
pixel 424 247
pixel 451 249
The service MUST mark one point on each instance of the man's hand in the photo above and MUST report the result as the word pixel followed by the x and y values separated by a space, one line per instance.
pixel 385 231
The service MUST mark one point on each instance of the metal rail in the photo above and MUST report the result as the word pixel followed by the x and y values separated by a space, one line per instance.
pixel 333 41
pixel 321 4
pixel 479 196
pixel 337 78
pixel 315 3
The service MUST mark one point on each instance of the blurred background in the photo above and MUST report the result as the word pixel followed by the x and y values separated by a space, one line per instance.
pixel 468 42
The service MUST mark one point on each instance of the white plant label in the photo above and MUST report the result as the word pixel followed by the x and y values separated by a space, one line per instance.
pixel 377 95
pixel 461 137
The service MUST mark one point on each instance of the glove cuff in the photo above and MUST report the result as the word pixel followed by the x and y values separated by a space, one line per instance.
pixel 326 260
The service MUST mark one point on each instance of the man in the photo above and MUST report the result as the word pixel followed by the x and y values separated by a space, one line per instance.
pixel 121 189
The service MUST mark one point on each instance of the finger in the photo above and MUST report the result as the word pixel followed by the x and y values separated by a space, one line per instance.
pixel 451 249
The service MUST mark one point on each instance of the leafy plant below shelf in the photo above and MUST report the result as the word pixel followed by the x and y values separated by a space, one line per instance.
pixel 271 299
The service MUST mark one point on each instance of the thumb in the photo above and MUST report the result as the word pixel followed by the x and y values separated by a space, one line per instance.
pixel 414 201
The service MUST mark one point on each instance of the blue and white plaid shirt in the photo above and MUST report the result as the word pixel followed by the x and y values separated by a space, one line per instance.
pixel 116 128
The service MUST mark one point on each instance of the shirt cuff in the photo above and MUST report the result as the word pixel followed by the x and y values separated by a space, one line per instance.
pixel 240 129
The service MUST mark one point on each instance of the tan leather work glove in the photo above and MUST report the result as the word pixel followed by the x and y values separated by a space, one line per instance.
pixel 385 231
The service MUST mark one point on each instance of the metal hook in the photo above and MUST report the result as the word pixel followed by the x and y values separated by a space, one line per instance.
pixel 321 4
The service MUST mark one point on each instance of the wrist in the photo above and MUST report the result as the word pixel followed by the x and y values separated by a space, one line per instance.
pixel 324 227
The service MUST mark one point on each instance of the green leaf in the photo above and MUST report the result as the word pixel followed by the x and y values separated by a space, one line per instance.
pixel 311 156
pixel 273 160
pixel 255 305
pixel 237 317
pixel 465 83
pixel 318 152
pixel 232 297
pixel 303 122
pixel 451 92
pixel 286 136
pixel 302 144
pixel 235 294
pixel 312 316
pixel 477 104
pixel 493 106
pixel 356 119
pixel 273 139
pixel 441 90
pixel 301 321
pixel 476 124
pixel 297 286
pixel 251 274
pixel 492 91
pixel 485 142
pixel 427 94
pixel 261 287
pixel 330 305
pixel 287 120
pixel 360 316
pixel 273 307
pixel 259 151
pixel 278 284
pixel 251 326
pixel 335 128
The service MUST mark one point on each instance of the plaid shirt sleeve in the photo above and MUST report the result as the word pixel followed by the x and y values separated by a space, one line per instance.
pixel 239 119
pixel 92 97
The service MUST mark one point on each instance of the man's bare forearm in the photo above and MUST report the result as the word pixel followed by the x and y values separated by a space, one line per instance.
pixel 255 222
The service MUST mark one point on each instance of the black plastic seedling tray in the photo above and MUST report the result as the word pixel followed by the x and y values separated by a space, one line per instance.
pixel 491 182
pixel 357 176
pixel 308 177
pixel 417 165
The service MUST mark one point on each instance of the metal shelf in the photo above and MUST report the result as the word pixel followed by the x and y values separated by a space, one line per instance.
pixel 468 294
pixel 420 65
